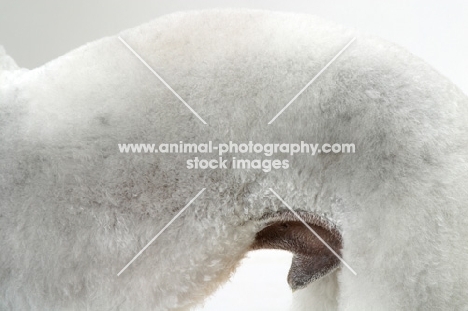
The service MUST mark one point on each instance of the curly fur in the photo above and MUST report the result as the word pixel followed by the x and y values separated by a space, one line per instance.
pixel 74 211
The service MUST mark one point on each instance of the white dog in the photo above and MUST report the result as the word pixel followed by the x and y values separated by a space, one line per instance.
pixel 74 210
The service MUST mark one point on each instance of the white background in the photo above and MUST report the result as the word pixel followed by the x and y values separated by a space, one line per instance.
pixel 34 32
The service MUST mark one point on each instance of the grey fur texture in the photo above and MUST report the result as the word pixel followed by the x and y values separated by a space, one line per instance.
pixel 74 211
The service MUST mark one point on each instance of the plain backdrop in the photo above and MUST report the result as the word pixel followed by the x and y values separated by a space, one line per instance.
pixel 34 32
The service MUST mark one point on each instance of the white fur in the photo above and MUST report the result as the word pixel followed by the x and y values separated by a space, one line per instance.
pixel 74 211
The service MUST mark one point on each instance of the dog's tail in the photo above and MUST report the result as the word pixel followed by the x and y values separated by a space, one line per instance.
pixel 9 70
pixel 6 62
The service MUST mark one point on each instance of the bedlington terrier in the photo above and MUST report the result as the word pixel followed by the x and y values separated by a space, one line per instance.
pixel 75 210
